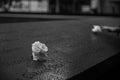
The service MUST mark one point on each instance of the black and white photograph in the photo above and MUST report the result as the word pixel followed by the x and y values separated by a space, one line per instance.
pixel 59 39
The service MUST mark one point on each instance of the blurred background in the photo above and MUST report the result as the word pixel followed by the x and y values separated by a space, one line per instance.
pixel 62 6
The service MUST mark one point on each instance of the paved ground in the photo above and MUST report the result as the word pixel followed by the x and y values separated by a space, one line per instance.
pixel 73 48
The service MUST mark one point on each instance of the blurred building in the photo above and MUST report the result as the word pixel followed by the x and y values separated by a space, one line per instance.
pixel 85 6
pixel 26 5
pixel 62 6
pixel 110 6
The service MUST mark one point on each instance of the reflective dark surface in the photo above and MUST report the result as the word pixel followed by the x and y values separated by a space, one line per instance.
pixel 73 48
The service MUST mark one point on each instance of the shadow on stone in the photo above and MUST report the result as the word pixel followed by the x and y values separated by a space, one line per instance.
pixel 108 69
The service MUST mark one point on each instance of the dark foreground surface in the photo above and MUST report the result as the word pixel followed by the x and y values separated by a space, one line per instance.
pixel 74 51
pixel 108 69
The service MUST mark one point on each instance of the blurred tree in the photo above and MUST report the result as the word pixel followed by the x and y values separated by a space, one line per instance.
pixel 5 4
pixel 57 6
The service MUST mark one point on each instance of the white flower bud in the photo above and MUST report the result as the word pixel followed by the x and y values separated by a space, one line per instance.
pixel 38 48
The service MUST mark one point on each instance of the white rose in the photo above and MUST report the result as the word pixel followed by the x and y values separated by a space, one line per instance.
pixel 96 28
pixel 38 48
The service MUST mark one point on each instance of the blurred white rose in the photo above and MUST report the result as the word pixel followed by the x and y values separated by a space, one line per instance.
pixel 37 48
pixel 96 28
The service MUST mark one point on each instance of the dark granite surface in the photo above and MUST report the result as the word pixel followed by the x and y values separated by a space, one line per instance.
pixel 73 48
